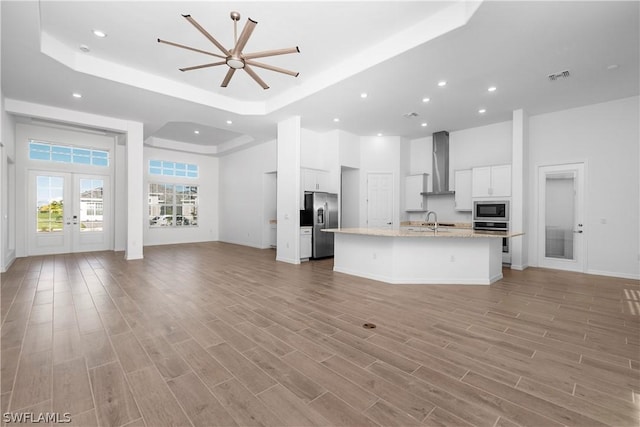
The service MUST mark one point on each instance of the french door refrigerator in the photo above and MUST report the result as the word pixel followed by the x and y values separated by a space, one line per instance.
pixel 323 209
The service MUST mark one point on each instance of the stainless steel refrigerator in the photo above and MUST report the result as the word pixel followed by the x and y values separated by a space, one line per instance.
pixel 321 212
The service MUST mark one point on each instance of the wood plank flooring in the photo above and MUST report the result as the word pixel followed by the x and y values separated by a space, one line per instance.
pixel 217 334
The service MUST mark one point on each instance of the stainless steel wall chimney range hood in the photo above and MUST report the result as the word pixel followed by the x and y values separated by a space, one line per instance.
pixel 440 173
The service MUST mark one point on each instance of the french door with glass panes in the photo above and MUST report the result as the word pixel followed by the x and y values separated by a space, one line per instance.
pixel 561 217
pixel 68 212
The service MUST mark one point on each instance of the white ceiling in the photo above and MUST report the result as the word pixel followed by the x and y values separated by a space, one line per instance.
pixel 394 51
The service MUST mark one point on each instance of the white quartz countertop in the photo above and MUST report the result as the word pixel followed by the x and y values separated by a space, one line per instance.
pixel 424 232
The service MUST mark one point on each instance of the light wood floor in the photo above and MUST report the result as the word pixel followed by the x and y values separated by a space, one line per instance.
pixel 218 334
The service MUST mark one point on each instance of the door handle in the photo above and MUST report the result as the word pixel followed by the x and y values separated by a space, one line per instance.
pixel 389 223
pixel 577 231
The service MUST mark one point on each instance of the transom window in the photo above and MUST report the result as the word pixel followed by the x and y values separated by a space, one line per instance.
pixel 165 168
pixel 45 151
pixel 173 205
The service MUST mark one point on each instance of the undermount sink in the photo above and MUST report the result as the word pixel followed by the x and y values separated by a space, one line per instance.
pixel 428 230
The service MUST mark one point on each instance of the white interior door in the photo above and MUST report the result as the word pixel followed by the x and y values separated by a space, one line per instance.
pixel 380 200
pixel 68 213
pixel 561 217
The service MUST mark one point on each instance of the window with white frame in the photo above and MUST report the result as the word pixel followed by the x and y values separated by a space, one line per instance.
pixel 167 168
pixel 173 205
pixel 39 150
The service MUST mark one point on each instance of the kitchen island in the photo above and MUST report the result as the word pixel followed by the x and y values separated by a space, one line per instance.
pixel 420 256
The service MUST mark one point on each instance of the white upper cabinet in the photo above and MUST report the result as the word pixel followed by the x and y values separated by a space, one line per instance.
pixel 413 186
pixel 315 180
pixel 491 181
pixel 501 181
pixel 463 190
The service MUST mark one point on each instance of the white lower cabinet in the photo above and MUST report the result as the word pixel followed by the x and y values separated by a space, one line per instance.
pixel 306 233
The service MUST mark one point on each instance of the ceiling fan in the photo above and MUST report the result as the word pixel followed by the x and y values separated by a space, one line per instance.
pixel 235 59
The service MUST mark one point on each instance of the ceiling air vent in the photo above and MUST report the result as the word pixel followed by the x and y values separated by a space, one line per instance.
pixel 410 115
pixel 561 75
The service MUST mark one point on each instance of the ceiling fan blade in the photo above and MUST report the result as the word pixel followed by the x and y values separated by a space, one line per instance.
pixel 271 67
pixel 190 48
pixel 244 36
pixel 206 34
pixel 227 77
pixel 255 77
pixel 271 52
pixel 197 67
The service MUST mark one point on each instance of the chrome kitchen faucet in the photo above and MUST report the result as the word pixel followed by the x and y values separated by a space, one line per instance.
pixel 435 220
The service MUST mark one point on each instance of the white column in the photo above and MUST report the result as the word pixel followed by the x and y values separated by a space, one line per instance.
pixel 519 189
pixel 135 192
pixel 288 197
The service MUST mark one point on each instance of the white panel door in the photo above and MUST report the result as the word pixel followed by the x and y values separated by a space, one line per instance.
pixel 380 200
pixel 68 213
pixel 560 217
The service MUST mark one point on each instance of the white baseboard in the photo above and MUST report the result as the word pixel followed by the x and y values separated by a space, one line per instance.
pixel 234 242
pixel 421 281
pixel 288 260
pixel 519 267
pixel 614 274
pixel 11 257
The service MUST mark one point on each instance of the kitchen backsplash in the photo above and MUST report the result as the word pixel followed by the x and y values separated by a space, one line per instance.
pixel 444 207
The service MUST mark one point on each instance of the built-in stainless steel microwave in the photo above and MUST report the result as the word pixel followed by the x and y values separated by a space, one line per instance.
pixel 497 210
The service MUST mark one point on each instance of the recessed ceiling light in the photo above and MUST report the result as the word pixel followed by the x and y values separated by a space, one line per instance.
pixel 426 99
pixel 229 122
pixel 77 95
pixel 363 95
pixel 99 33
pixel 612 66
pixel 424 125
pixel 492 88
pixel 84 48
pixel 379 134
pixel 482 111
pixel 336 120
pixel 442 83
pixel 197 132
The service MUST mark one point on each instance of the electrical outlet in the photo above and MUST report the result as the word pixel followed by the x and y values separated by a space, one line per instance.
pixel 374 256
pixel 287 245
pixel 452 259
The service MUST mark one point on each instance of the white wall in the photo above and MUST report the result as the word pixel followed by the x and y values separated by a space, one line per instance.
pixel 120 199
pixel 241 194
pixel 607 138
pixel 350 198
pixel 468 148
pixel 481 146
pixel 349 167
pixel 288 155
pixel 208 199
pixel 349 149
pixel 311 151
pixel 7 189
